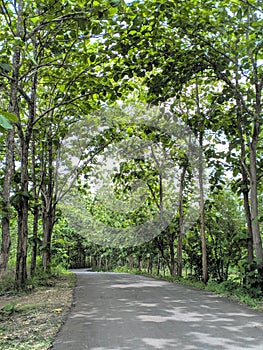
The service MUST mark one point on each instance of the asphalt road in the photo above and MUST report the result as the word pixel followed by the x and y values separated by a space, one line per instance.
pixel 120 311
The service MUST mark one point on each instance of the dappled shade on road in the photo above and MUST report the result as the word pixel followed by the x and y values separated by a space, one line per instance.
pixel 121 311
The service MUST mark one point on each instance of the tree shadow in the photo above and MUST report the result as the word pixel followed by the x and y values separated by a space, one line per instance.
pixel 121 311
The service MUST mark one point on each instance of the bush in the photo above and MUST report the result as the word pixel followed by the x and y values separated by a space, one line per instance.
pixel 7 282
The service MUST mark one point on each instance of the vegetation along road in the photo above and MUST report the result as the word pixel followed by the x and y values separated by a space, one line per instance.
pixel 121 311
pixel 131 140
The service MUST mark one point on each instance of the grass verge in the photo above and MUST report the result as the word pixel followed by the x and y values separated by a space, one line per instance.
pixel 30 320
pixel 228 289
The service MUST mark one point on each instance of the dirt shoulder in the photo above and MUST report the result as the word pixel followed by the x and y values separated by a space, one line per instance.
pixel 32 320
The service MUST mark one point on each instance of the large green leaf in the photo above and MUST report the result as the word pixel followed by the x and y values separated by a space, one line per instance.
pixel 4 123
pixel 10 116
pixel 6 67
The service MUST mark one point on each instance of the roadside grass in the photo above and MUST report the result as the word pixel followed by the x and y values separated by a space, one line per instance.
pixel 230 289
pixel 7 283
pixel 30 319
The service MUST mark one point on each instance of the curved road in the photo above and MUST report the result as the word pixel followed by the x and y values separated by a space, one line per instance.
pixel 121 311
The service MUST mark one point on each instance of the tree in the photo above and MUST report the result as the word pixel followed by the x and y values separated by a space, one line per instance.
pixel 6 205
pixel 226 234
pixel 31 29
pixel 9 163
pixel 172 42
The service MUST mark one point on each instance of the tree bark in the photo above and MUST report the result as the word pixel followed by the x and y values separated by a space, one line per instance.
pixel 35 239
pixel 172 268
pixel 181 223
pixel 202 211
pixel 22 244
pixel 6 205
pixel 48 205
pixel 9 164
pixel 35 213
pixel 257 241
pixel 244 170
pixel 253 149
pixel 48 217
pixel 25 138
pixel 201 188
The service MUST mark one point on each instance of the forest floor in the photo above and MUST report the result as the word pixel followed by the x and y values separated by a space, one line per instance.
pixel 31 320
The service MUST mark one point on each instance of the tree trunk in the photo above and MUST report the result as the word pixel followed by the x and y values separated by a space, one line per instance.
pixel 48 218
pixel 172 265
pixel 202 211
pixel 21 256
pixel 6 205
pixel 150 266
pixel 23 206
pixel 201 188
pixel 257 241
pixel 9 164
pixel 106 264
pixel 22 212
pixel 99 263
pixel 35 214
pixel 131 262
pixel 244 171
pixel 24 134
pixel 181 223
pixel 253 145
pixel 34 241
pixel 253 149
pixel 139 265
pixel 158 265
pixel 48 202
pixel 250 253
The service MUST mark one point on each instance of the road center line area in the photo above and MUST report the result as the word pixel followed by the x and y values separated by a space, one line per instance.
pixel 120 311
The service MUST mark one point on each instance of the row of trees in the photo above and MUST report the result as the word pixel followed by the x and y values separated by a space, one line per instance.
pixel 187 44
pixel 226 246
pixel 50 77
pixel 200 61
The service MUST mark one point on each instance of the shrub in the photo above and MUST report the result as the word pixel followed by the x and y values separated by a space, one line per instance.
pixel 7 282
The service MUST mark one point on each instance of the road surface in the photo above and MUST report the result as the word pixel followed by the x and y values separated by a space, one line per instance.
pixel 121 311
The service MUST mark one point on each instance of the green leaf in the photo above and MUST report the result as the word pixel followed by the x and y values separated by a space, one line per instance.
pixel 31 57
pixel 4 123
pixel 133 32
pixel 9 307
pixel 96 29
pixel 239 13
pixel 25 194
pixel 6 67
pixel 92 58
pixel 10 116
pixel 115 3
pixel 112 11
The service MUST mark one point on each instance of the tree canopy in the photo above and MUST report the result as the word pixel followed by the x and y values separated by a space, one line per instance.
pixel 116 116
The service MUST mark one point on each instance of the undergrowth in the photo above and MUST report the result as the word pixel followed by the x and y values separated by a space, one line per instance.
pixel 39 279
pixel 253 297
pixel 31 319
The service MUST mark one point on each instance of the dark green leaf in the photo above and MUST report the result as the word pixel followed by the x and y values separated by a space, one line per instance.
pixel 6 67
pixel 92 58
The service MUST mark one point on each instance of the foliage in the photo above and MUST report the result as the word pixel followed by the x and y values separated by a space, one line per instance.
pixel 63 67
pixel 230 289
pixel 7 282
pixel 5 119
